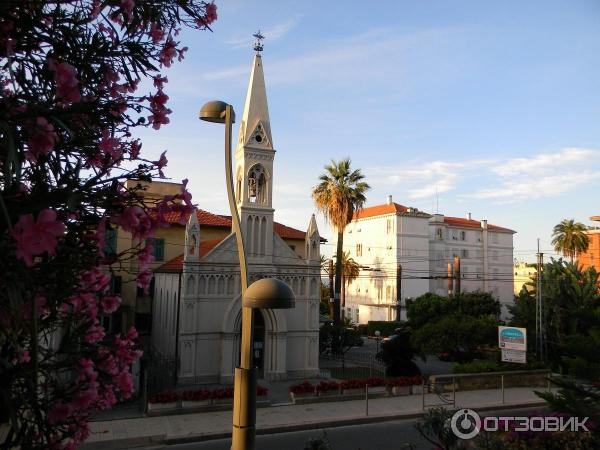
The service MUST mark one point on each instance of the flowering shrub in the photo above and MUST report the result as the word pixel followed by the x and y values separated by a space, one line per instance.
pixel 362 382
pixel 220 394
pixel 261 391
pixel 197 395
pixel 326 386
pixel 302 388
pixel 166 397
pixel 69 106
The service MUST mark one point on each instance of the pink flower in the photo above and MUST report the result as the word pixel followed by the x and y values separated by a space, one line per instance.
pixel 42 139
pixel 135 220
pixel 94 280
pixel 146 256
pixel 132 334
pixel 24 357
pixel 210 14
pixel 110 145
pixel 162 162
pixel 159 110
pixel 94 334
pixel 59 413
pixel 134 151
pixel 156 33
pixel 85 370
pixel 67 84
pixel 127 6
pixel 110 303
pixel 86 397
pixel 95 9
pixel 159 82
pixel 33 238
pixel 168 53
pixel 124 383
pixel 85 304
pixel 107 398
pixel 143 280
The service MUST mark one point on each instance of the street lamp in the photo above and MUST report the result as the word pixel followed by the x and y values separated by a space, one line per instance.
pixel 377 337
pixel 266 293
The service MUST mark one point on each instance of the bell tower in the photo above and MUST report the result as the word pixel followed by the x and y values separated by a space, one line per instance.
pixel 254 167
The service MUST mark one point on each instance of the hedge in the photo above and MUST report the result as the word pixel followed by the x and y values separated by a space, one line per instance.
pixel 386 328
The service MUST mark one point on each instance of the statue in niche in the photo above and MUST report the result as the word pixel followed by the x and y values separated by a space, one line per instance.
pixel 257 182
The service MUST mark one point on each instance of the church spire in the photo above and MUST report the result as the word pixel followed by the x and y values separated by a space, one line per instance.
pixel 255 126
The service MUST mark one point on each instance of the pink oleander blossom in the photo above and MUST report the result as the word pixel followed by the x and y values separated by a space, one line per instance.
pixel 110 303
pixel 143 280
pixel 42 139
pixel 156 33
pixel 146 256
pixel 35 237
pixel 95 280
pixel 161 163
pixel 85 370
pixel 109 145
pixel 168 53
pixel 134 150
pixel 210 14
pixel 67 84
pixel 135 220
pixel 124 383
pixel 94 334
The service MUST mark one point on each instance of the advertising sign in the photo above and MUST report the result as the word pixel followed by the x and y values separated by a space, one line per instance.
pixel 512 338
pixel 514 356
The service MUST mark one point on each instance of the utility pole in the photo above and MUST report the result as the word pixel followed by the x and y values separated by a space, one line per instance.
pixel 457 275
pixel 398 292
pixel 331 293
pixel 539 309
pixel 450 277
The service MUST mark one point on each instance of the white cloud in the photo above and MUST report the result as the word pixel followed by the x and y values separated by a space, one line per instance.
pixel 508 180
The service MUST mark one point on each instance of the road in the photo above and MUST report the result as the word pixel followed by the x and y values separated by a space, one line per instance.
pixel 395 435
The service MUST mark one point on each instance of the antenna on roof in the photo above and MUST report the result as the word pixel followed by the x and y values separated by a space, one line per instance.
pixel 437 200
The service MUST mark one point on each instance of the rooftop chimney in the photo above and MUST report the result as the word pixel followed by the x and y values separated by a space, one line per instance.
pixel 484 224
pixel 389 199
pixel 469 216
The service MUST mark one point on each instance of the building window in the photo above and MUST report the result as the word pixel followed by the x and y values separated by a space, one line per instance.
pixel 158 248
pixel 358 249
pixel 357 315
pixel 388 293
pixel 463 235
pixel 115 284
pixel 495 255
pixel 464 253
pixel 438 233
pixel 293 247
pixel 110 242
pixel 389 226
pixel 495 238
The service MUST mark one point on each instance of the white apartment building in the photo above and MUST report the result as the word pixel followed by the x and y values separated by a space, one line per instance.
pixel 378 239
pixel 383 236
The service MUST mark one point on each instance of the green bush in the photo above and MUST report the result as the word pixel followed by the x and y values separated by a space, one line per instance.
pixel 476 367
pixel 386 328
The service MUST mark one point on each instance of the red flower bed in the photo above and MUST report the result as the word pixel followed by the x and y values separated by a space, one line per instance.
pixel 302 388
pixel 197 395
pixel 164 397
pixel 261 391
pixel 222 393
pixel 326 386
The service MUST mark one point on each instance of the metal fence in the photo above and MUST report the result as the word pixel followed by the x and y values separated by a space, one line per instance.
pixel 351 366
pixel 159 373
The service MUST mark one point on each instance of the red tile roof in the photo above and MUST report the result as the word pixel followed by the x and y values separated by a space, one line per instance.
pixel 176 264
pixel 208 219
pixel 379 210
pixel 460 222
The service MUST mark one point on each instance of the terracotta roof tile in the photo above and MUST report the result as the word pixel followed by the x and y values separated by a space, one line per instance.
pixel 208 219
pixel 460 222
pixel 380 210
pixel 176 264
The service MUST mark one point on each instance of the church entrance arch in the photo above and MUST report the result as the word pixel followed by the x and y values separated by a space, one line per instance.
pixel 259 344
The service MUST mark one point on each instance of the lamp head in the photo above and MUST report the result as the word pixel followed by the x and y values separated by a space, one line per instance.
pixel 214 111
pixel 269 293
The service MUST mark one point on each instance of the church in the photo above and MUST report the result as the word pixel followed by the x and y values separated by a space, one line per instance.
pixel 197 301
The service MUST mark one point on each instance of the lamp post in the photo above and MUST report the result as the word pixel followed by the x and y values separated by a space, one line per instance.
pixel 266 293
pixel 377 337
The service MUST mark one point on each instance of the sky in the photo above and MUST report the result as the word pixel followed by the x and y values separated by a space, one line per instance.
pixel 491 108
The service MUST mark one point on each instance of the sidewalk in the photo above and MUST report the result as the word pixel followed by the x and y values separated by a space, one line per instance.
pixel 130 433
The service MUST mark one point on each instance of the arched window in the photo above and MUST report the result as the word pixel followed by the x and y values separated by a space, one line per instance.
pixel 257 183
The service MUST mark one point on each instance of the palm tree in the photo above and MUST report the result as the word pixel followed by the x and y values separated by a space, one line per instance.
pixel 570 238
pixel 350 272
pixel 340 193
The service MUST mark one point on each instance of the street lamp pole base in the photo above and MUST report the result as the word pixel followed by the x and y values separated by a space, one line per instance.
pixel 244 409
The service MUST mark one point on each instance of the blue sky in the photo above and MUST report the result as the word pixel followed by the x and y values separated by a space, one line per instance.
pixel 494 105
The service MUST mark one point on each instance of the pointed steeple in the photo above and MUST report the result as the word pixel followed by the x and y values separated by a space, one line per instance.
pixel 312 241
pixel 255 128
pixel 192 238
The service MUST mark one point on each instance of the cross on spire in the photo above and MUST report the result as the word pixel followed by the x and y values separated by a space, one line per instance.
pixel 258 47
